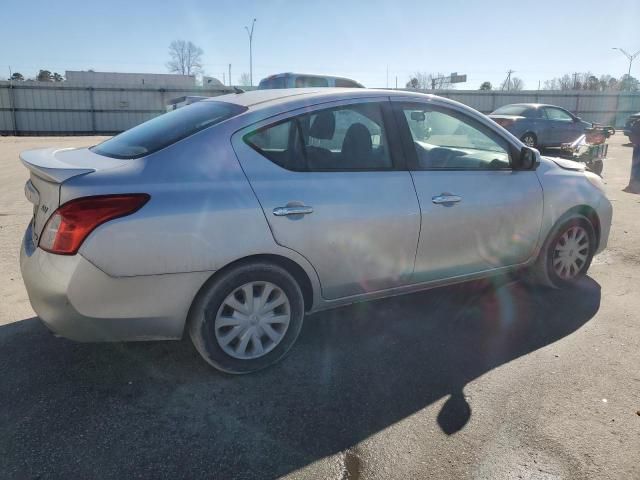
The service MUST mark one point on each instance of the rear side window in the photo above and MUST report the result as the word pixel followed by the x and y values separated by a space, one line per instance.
pixel 352 137
pixel 303 82
pixel 162 131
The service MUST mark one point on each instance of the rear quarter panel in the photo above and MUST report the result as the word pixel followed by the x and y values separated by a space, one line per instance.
pixel 202 214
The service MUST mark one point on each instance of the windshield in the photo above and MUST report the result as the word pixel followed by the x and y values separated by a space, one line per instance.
pixel 166 129
pixel 511 110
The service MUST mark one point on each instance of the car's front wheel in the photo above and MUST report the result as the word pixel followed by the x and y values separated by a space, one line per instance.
pixel 567 253
pixel 247 318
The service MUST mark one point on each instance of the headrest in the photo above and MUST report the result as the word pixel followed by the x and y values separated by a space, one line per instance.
pixel 323 126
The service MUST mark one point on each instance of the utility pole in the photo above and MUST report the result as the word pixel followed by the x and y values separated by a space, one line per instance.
pixel 396 82
pixel 224 80
pixel 230 82
pixel 507 81
pixel 575 80
pixel 250 33
pixel 387 76
pixel 630 57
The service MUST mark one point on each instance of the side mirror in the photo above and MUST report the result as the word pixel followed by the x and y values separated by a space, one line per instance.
pixel 526 160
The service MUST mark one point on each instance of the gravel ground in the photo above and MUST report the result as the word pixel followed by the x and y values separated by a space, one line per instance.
pixel 456 383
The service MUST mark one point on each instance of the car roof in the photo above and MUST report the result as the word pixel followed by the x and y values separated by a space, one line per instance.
pixel 530 105
pixel 257 99
pixel 297 74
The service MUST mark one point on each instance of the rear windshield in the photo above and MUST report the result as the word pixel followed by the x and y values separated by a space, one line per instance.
pixel 511 110
pixel 168 128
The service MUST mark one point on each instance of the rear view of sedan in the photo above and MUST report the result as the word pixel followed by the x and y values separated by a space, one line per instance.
pixel 233 217
pixel 538 125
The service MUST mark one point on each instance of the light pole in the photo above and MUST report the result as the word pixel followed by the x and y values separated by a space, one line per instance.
pixel 250 32
pixel 629 56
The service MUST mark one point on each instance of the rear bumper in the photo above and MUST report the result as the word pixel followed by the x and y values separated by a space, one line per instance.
pixel 77 300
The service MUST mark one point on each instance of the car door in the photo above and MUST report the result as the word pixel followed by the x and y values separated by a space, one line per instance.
pixel 333 188
pixel 478 214
pixel 561 125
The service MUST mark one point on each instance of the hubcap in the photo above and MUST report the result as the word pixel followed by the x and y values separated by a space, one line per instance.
pixel 252 320
pixel 529 141
pixel 571 253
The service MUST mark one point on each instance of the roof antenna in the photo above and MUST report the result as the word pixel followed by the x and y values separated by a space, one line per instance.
pixel 237 90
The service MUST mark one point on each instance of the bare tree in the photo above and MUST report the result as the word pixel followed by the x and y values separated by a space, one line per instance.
pixel 517 84
pixel 564 82
pixel 245 80
pixel 440 81
pixel 419 81
pixel 429 81
pixel 186 58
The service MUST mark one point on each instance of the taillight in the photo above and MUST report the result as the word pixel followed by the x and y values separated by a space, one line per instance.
pixel 70 224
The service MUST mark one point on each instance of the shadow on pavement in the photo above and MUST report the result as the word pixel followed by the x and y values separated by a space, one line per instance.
pixel 156 410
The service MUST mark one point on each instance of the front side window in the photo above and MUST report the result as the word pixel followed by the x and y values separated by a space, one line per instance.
pixel 168 128
pixel 557 114
pixel 344 138
pixel 450 141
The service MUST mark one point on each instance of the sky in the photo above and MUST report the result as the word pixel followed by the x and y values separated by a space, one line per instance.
pixel 356 39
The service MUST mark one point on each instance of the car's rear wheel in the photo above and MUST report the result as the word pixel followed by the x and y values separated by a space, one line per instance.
pixel 567 253
pixel 247 318
pixel 530 140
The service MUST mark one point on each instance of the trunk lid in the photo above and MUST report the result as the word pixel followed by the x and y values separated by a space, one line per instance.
pixel 49 169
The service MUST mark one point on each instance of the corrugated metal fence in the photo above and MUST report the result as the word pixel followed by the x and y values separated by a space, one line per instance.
pixel 606 108
pixel 58 109
pixel 50 109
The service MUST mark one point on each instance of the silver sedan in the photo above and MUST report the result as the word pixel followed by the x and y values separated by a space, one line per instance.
pixel 234 217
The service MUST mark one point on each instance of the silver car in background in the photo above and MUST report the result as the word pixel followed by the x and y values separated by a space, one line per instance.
pixel 233 217
pixel 540 126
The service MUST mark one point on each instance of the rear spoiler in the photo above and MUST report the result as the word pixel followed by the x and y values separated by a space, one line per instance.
pixel 44 164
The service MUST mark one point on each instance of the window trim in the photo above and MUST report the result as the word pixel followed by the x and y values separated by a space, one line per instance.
pixel 408 144
pixel 389 124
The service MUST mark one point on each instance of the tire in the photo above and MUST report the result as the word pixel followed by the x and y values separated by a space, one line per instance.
pixel 530 140
pixel 566 241
pixel 223 309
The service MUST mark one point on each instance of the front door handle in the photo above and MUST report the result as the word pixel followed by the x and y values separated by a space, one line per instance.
pixel 446 198
pixel 292 210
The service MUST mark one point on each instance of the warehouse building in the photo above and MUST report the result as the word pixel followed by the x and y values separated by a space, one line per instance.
pixel 116 79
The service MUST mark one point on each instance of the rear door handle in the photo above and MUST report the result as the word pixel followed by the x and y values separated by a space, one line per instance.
pixel 446 198
pixel 293 210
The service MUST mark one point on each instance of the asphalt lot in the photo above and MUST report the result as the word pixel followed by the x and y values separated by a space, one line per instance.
pixel 472 382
